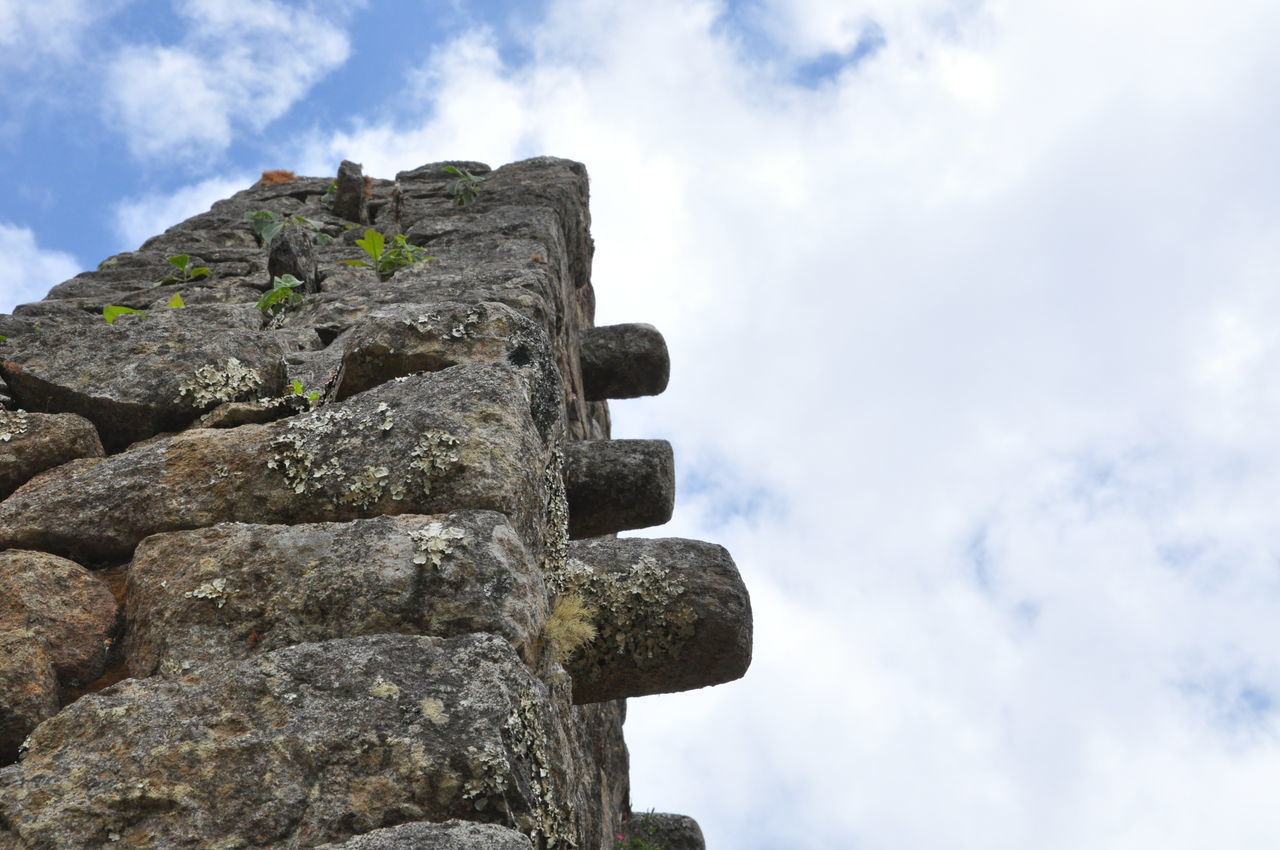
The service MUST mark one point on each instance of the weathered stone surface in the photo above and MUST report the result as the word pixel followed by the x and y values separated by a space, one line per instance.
pixel 314 743
pixel 291 252
pixel 623 361
pixel 450 835
pixel 233 590
pixel 233 414
pixel 28 691
pixel 672 615
pixel 349 201
pixel 56 624
pixel 669 832
pixel 463 438
pixel 141 376
pixel 616 485
pixel 30 443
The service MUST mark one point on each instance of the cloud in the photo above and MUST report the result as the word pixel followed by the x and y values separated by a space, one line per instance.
pixel 27 272
pixel 31 33
pixel 136 220
pixel 974 360
pixel 237 67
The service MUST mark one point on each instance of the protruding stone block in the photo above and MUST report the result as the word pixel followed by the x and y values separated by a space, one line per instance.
pixel 463 438
pixel 292 252
pixel 672 615
pixel 141 376
pixel 349 201
pixel 30 443
pixel 450 835
pixel 616 485
pixel 306 745
pixel 670 832
pixel 234 590
pixel 623 361
pixel 56 624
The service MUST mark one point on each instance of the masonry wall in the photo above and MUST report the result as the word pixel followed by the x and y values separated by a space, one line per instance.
pixel 338 567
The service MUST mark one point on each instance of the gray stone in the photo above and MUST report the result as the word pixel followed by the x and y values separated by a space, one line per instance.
pixel 233 590
pixel 292 252
pixel 450 835
pixel 669 832
pixel 623 361
pixel 350 201
pixel 141 376
pixel 30 443
pixel 672 615
pixel 617 485
pixel 57 623
pixel 463 438
pixel 302 746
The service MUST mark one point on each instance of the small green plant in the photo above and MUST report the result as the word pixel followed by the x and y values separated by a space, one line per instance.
pixel 176 301
pixel 330 195
pixel 115 311
pixel 464 187
pixel 635 842
pixel 185 271
pixel 266 225
pixel 387 261
pixel 281 296
pixel 299 389
pixel 3 338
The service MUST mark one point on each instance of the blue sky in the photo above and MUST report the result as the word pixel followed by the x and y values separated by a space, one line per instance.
pixel 973 310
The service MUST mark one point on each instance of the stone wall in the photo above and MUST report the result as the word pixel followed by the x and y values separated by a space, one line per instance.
pixel 341 570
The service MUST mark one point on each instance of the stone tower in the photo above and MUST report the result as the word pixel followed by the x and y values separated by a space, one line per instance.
pixel 314 543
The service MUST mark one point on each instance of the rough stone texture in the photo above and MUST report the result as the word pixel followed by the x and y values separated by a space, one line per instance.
pixel 30 443
pixel 233 590
pixel 673 615
pixel 624 361
pixel 617 485
pixel 450 835
pixel 313 743
pixel 349 201
pixel 292 252
pixel 57 623
pixel 669 832
pixel 460 438
pixel 141 376
pixel 28 691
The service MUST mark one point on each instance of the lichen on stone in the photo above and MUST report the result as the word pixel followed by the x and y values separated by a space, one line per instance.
pixel 434 542
pixel 434 456
pixel 524 733
pixel 13 423
pixel 641 612
pixel 210 384
pixel 556 504
pixel 215 590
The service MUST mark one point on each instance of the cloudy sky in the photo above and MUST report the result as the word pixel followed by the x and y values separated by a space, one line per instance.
pixel 973 309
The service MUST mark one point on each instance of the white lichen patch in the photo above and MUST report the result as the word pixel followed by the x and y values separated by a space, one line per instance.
pixel 524 729
pixel 214 590
pixel 210 384
pixel 434 542
pixel 388 421
pixel 435 456
pixel 642 615
pixel 13 423
pixel 556 505
pixel 383 689
pixel 462 327
pixel 368 487
pixel 489 775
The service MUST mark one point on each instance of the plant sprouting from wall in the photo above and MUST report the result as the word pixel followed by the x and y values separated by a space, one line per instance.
pixel 464 187
pixel 281 296
pixel 184 271
pixel 266 225
pixel 114 311
pixel 569 627
pixel 387 261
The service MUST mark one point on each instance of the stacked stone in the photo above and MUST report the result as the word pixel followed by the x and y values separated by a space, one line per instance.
pixel 342 572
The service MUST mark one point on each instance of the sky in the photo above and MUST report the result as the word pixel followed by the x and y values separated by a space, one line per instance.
pixel 973 311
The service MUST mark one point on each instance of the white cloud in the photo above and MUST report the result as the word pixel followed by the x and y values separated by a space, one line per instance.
pixel 31 32
pixel 987 323
pixel 136 220
pixel 238 66
pixel 27 271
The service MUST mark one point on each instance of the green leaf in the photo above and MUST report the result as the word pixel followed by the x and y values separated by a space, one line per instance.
pixel 373 243
pixel 176 300
pixel 449 169
pixel 360 263
pixel 181 261
pixel 3 338
pixel 322 239
pixel 113 312
pixel 198 271
pixel 297 387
